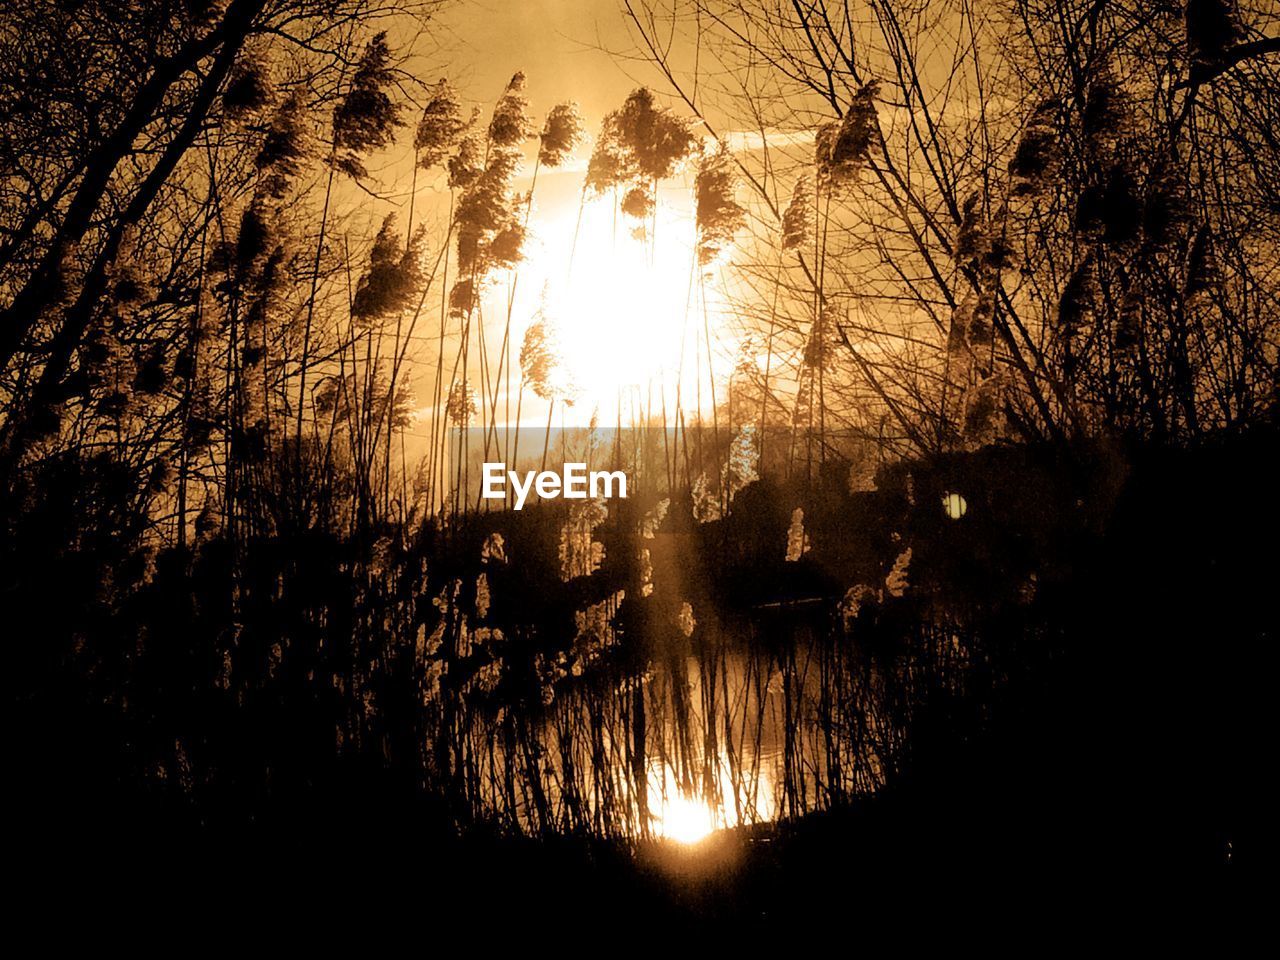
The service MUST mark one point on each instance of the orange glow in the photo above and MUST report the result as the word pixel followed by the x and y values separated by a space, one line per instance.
pixel 688 819
pixel 684 819
pixel 627 310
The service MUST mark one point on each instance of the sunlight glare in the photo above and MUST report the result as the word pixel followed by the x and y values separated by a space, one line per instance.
pixel 627 313
pixel 684 819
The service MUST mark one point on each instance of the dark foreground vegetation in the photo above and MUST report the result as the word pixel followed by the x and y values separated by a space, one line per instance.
pixel 1106 723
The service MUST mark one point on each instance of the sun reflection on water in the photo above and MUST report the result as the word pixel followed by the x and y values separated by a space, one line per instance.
pixel 684 819
pixel 688 817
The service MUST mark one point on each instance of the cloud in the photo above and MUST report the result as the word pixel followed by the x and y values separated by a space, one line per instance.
pixel 746 140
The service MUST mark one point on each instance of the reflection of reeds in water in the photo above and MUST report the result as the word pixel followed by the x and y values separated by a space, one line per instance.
pixel 732 736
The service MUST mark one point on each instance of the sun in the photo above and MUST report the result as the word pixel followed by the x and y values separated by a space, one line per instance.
pixel 628 311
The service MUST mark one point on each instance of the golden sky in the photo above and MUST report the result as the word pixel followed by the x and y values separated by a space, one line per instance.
pixel 563 46
pixel 623 306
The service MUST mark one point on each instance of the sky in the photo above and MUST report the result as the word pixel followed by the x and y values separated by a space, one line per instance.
pixel 563 47
pixel 622 306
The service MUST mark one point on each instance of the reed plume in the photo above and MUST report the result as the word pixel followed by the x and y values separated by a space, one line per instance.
pixel 366 118
pixel 441 128
pixel 719 215
pixel 561 132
